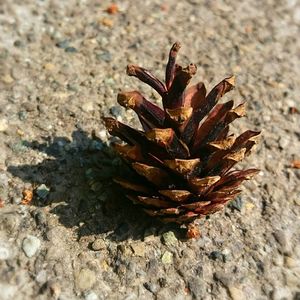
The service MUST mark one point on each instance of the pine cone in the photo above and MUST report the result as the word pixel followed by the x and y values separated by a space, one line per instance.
pixel 183 158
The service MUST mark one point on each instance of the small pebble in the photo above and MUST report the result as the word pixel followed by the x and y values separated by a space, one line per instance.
pixel 291 278
pixel 236 293
pixel 292 262
pixel 116 111
pixel 270 166
pixel 42 108
pixel 71 50
pixel 31 245
pixel 90 295
pixel 217 255
pixel 102 134
pixel 18 43
pixel 104 56
pixel 167 258
pixel 3 180
pixel 169 239
pixel 49 67
pixel 20 132
pixel 41 277
pixel 283 240
pixel 3 124
pixel 283 142
pixel 106 22
pixel 22 115
pixel 98 244
pixel 42 191
pixel 282 293
pixel 109 81
pixel 278 260
pixel 85 279
pixel 16 200
pixel 4 251
pixel 112 9
pixel 62 44
pixel 28 106
pixel 7 79
pixel 138 249
pixel 8 291
pixel 18 147
pixel 55 289
pixel 88 106
pixel 237 203
pixel 297 15
pixel 249 206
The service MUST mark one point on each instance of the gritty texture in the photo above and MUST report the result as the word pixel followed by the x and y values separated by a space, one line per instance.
pixel 62 64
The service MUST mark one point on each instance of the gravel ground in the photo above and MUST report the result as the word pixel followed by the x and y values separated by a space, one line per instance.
pixel 62 65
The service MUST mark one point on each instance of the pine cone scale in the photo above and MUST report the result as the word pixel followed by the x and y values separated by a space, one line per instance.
pixel 194 96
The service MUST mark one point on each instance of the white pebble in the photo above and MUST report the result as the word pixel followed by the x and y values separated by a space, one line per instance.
pixel 4 251
pixel 8 291
pixel 290 103
pixel 90 295
pixel 236 293
pixel 88 107
pixel 297 15
pixel 291 3
pixel 41 277
pixel 102 134
pixel 282 293
pixel 3 125
pixel 31 245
